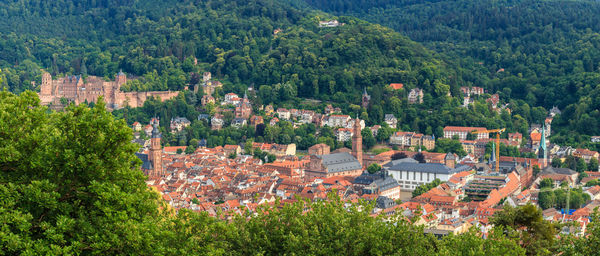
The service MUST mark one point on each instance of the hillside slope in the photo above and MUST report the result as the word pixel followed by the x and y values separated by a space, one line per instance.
pixel 546 53
pixel 233 39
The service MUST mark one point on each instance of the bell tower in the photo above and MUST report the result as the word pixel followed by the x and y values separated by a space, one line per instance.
pixel 357 151
pixel 155 155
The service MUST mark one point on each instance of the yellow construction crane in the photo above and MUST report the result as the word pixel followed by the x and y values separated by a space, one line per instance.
pixel 497 132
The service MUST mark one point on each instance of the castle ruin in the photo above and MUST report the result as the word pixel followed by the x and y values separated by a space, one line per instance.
pixel 74 89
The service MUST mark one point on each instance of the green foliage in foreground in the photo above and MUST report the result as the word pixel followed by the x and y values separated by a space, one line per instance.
pixel 70 184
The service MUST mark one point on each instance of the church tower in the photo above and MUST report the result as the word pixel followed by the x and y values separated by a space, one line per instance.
pixel 155 155
pixel 357 150
pixel 365 98
pixel 244 108
pixel 542 154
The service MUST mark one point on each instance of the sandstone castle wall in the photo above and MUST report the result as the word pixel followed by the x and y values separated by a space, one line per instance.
pixel 74 89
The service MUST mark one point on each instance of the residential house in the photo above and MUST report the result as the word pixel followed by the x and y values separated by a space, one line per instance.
pixel 231 98
pixel 337 120
pixel 467 92
pixel 415 96
pixel 269 110
pixel 204 117
pixel 412 139
pixel 330 24
pixel 274 121
pixel 217 122
pixel 206 99
pixel 284 114
pixel 461 132
pixel 256 120
pixel 375 129
pixel 148 129
pixel 468 146
pixel 343 134
pixel 306 116
pixel 494 100
pixel 586 154
pixel 517 137
pixel 238 122
pixel 136 126
pixel 232 149
pixel 554 111
pixel 391 120
pixel 178 123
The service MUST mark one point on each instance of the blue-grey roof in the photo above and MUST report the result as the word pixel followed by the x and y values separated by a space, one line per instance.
pixel 384 202
pixel 146 164
pixel 366 178
pixel 238 120
pixel 403 160
pixel 340 162
pixel 563 171
pixel 203 116
pixel 386 183
pixel 427 168
pixel 180 120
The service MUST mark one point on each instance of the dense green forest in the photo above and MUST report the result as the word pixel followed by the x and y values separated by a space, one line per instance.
pixel 549 51
pixel 71 184
pixel 547 59
pixel 235 41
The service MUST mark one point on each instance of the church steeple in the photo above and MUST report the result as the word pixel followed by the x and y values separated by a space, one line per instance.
pixel 493 156
pixel 365 98
pixel 542 153
pixel 357 141
pixel 155 155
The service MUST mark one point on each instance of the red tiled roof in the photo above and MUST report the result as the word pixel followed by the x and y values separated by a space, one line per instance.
pixel 536 136
pixel 174 149
pixel 397 86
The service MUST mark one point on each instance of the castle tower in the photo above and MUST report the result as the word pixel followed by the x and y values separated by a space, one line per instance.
pixel 46 87
pixel 121 78
pixel 155 155
pixel 357 141
pixel 542 153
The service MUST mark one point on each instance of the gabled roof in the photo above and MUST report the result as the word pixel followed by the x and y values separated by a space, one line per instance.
pixel 339 162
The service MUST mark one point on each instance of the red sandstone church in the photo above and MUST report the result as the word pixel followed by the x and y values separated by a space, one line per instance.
pixel 327 165
pixel 75 90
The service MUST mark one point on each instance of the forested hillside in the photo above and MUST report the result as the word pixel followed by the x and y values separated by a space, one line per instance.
pixel 233 39
pixel 549 50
